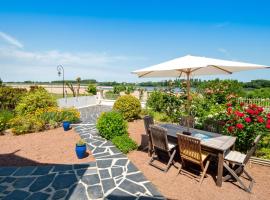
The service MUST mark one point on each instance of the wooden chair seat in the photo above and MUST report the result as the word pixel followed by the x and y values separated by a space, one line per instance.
pixel 204 155
pixel 235 157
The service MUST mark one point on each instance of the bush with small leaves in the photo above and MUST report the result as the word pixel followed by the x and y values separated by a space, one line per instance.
pixel 124 143
pixel 129 106
pixel 26 124
pixel 38 98
pixel 111 124
pixel 5 117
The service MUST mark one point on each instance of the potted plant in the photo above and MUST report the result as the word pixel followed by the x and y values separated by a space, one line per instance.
pixel 80 148
pixel 66 125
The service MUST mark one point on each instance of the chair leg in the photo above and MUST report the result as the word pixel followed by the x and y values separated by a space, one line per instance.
pixel 171 159
pixel 204 171
pixel 232 172
pixel 181 166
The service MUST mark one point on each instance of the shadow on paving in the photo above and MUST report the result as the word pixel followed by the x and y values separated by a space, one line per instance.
pixel 58 181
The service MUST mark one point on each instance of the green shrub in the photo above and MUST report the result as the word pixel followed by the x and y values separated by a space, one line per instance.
pixel 26 124
pixel 55 114
pixel 167 104
pixel 111 124
pixel 5 117
pixel 129 106
pixel 70 114
pixel 39 98
pixel 9 97
pixel 119 88
pixel 155 101
pixel 124 143
pixel 92 89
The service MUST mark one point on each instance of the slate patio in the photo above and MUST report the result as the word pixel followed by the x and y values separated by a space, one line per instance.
pixel 111 176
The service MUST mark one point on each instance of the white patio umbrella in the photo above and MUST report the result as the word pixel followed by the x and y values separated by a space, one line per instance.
pixel 188 66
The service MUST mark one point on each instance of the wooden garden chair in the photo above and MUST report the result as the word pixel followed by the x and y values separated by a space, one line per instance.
pixel 187 121
pixel 148 120
pixel 190 150
pixel 239 161
pixel 161 144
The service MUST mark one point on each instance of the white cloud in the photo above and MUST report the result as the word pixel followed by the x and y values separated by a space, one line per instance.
pixel 10 40
pixel 18 64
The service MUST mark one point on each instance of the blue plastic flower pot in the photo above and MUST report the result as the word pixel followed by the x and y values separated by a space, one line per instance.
pixel 80 151
pixel 66 126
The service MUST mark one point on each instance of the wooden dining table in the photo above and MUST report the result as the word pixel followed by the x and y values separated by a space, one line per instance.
pixel 215 144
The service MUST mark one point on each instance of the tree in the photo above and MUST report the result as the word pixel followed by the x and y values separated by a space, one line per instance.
pixel 92 89
pixel 72 88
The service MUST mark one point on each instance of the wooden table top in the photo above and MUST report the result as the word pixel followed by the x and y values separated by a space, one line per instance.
pixel 208 139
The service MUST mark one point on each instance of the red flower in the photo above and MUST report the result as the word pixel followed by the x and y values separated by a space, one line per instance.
pixel 267 126
pixel 268 121
pixel 242 104
pixel 229 110
pixel 229 104
pixel 260 109
pixel 256 112
pixel 231 129
pixel 260 119
pixel 239 114
pixel 248 119
pixel 250 111
pixel 239 126
pixel 268 115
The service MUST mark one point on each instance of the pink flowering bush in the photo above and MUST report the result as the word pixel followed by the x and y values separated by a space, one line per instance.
pixel 245 122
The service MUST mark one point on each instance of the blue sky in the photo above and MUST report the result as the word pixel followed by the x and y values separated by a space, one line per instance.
pixel 106 40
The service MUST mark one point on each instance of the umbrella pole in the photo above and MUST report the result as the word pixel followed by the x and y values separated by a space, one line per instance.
pixel 188 99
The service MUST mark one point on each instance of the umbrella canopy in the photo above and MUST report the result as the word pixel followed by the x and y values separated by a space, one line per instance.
pixel 195 66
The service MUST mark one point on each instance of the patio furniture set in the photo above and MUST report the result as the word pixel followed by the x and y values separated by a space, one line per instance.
pixel 198 147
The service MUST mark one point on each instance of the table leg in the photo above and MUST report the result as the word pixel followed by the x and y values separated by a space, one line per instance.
pixel 220 169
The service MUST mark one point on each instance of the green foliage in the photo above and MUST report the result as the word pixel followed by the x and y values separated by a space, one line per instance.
pixel 130 89
pixel 155 101
pixel 258 93
pixel 119 88
pixel 81 142
pixel 26 124
pixel 264 147
pixel 5 117
pixel 129 106
pixel 39 98
pixel 92 89
pixel 260 83
pixel 203 109
pixel 111 95
pixel 111 124
pixel 166 103
pixel 9 97
pixel 55 114
pixel 124 143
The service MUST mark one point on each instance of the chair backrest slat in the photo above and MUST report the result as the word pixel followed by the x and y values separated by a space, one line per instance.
pixel 252 149
pixel 189 147
pixel 159 137
pixel 148 120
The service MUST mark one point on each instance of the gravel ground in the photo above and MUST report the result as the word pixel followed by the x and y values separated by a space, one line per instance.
pixel 48 147
pixel 183 187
